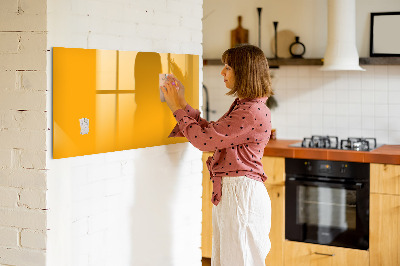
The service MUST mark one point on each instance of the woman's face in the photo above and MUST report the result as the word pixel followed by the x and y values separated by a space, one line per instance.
pixel 229 76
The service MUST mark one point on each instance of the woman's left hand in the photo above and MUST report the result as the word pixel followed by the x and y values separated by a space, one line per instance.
pixel 171 96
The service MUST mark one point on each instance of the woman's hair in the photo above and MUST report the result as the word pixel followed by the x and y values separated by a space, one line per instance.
pixel 250 66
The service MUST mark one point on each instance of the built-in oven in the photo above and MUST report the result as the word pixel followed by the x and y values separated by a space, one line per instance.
pixel 327 202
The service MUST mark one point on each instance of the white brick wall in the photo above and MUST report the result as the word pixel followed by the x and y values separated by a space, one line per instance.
pixel 136 207
pixel 23 128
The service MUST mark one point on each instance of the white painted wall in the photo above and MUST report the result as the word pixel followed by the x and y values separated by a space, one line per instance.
pixel 311 102
pixel 22 133
pixel 136 207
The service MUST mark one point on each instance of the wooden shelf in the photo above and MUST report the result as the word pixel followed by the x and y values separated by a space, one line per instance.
pixel 273 63
pixel 380 61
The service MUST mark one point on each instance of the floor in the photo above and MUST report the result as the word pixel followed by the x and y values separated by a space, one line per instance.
pixel 206 261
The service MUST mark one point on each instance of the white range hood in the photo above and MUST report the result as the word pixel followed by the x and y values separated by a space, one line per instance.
pixel 341 51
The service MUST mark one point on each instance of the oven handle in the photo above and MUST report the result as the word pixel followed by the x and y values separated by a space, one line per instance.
pixel 357 185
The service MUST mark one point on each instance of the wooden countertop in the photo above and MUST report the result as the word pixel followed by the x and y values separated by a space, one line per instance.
pixel 389 154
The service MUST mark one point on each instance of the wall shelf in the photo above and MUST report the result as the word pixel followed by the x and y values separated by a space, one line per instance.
pixel 274 63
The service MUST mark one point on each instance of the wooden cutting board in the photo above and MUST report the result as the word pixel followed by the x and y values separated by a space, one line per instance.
pixel 239 35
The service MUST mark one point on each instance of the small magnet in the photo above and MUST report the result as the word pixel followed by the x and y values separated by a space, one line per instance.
pixel 84 123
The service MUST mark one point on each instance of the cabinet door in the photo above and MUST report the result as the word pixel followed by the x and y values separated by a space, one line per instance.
pixel 277 233
pixel 206 232
pixel 274 168
pixel 385 178
pixel 305 254
pixel 384 229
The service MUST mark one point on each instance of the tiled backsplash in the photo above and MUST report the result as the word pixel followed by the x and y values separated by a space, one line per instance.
pixel 314 102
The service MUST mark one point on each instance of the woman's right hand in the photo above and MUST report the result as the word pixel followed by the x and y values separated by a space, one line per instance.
pixel 181 91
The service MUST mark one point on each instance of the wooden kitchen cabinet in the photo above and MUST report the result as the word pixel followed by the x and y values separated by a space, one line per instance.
pixel 277 233
pixel 274 168
pixel 384 236
pixel 206 232
pixel 305 254
pixel 385 178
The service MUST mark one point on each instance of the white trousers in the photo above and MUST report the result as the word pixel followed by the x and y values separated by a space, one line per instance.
pixel 241 223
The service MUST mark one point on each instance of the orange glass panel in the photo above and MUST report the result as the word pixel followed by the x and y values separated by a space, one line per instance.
pixel 106 101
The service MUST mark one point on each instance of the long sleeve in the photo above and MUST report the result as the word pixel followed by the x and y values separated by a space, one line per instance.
pixel 231 130
pixel 193 113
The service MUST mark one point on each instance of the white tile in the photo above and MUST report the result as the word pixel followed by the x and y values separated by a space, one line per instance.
pixel 368 110
pixel 342 122
pixel 367 96
pixel 342 96
pixel 367 133
pixel 381 97
pixel 342 109
pixel 381 123
pixel 355 96
pixel 329 109
pixel 394 123
pixel 292 83
pixel 291 71
pixel 317 121
pixel 342 133
pixel 317 107
pixel 304 109
pixel 316 72
pixel 316 82
pixel 394 137
pixel 303 82
pixel 328 74
pixel 317 131
pixel 381 84
pixel 381 110
pixel 382 136
pixel 355 122
pixel 394 83
pixel 329 94
pixel 317 95
pixel 394 110
pixel 381 71
pixel 354 83
pixel 342 81
pixel 329 122
pixel 394 70
pixel 293 120
pixel 394 97
pixel 304 72
pixel 355 132
pixel 355 109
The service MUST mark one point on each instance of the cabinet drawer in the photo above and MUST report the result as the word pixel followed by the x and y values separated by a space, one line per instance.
pixel 297 254
pixel 274 168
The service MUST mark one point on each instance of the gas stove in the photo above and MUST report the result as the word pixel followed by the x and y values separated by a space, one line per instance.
pixel 332 142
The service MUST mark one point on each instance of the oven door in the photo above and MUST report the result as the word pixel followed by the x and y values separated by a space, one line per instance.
pixel 327 213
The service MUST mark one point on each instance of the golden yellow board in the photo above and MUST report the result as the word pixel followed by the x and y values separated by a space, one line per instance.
pixel 105 100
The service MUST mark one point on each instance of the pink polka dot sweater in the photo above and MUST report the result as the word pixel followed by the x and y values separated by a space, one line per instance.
pixel 238 139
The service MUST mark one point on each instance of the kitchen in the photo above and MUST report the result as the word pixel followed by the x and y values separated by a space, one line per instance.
pixel 311 102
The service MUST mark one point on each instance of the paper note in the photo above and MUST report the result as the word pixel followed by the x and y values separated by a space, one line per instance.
pixel 84 122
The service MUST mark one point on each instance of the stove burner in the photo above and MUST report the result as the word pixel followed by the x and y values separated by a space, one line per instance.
pixel 332 142
pixel 358 144
pixel 328 142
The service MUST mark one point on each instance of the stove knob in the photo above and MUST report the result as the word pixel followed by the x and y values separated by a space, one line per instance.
pixel 343 168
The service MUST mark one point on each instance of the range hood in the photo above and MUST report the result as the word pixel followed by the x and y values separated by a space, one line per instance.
pixel 341 51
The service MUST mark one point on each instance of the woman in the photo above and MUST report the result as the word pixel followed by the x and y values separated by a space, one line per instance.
pixel 242 208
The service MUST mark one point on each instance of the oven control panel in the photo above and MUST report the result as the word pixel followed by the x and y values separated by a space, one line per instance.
pixel 338 169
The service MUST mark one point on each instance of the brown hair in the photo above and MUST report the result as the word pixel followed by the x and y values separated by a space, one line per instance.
pixel 250 66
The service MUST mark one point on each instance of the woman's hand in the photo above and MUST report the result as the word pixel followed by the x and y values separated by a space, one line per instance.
pixel 181 91
pixel 171 95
